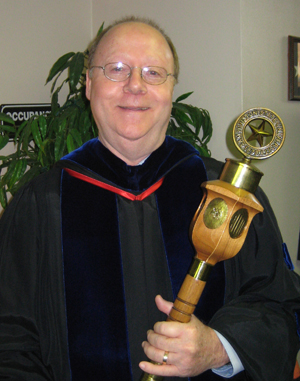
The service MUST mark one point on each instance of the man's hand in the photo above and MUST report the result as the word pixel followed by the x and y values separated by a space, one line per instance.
pixel 193 347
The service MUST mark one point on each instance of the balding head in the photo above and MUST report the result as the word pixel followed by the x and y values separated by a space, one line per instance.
pixel 132 19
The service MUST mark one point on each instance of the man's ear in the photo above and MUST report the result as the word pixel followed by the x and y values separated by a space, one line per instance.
pixel 88 85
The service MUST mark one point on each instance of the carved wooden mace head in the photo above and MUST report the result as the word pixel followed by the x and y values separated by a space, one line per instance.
pixel 221 223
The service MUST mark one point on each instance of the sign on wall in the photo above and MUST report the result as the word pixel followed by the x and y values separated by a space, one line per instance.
pixel 21 112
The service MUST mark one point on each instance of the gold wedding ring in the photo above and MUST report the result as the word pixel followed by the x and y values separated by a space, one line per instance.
pixel 165 358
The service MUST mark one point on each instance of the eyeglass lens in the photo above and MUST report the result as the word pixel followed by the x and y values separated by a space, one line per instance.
pixel 118 72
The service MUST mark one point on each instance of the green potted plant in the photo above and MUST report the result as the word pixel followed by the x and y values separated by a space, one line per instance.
pixel 42 140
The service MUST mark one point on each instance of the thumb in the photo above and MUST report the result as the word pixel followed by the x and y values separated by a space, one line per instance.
pixel 163 305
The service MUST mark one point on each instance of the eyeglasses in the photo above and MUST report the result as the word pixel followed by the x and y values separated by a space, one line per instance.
pixel 118 72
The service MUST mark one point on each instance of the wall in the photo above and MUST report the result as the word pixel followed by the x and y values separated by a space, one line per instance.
pixel 233 55
pixel 33 35
pixel 265 27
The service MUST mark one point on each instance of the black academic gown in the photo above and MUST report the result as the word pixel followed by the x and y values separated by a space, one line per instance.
pixel 66 305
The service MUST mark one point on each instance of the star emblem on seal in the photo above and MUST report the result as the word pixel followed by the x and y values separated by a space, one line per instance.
pixel 259 133
pixel 267 129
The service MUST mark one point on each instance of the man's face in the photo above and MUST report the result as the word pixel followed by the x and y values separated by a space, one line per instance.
pixel 131 113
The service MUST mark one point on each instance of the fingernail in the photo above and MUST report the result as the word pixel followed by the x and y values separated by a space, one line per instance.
pixel 142 366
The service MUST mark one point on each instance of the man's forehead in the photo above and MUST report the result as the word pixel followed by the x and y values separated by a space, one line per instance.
pixel 119 31
pixel 136 26
pixel 129 37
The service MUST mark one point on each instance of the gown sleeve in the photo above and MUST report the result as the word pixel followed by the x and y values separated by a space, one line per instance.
pixel 262 301
pixel 30 244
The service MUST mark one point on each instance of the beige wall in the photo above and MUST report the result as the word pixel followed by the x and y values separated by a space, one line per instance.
pixel 33 35
pixel 265 27
pixel 233 55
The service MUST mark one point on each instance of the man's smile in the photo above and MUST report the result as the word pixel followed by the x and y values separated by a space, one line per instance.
pixel 134 108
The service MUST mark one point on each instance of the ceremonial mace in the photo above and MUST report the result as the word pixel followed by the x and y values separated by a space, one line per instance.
pixel 221 222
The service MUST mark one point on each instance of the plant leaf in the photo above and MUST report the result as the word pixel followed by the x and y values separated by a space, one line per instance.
pixel 3 198
pixel 75 70
pixel 182 106
pixel 188 123
pixel 207 126
pixel 29 175
pixel 59 144
pixel 59 65
pixel 70 143
pixel 182 116
pixel 25 137
pixel 54 101
pixel 43 126
pixel 5 179
pixel 100 29
pixel 6 118
pixel 65 114
pixel 183 96
pixel 77 137
pixel 36 133
pixel 18 171
pixel 4 139
pixel 8 128
pixel 19 130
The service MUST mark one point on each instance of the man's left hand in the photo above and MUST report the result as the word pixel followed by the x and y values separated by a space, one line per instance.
pixel 193 347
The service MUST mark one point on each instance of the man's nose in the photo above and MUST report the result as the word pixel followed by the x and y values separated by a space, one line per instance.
pixel 135 83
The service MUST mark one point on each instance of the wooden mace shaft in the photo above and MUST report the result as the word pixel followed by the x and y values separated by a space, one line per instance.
pixel 190 291
pixel 187 299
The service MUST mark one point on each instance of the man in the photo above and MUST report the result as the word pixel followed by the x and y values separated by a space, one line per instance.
pixel 86 249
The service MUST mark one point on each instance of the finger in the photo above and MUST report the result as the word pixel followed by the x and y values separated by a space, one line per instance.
pixel 157 355
pixel 168 329
pixel 163 305
pixel 174 329
pixel 159 370
pixel 160 341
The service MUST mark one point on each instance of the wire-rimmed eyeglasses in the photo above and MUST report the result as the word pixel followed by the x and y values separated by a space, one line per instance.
pixel 118 72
